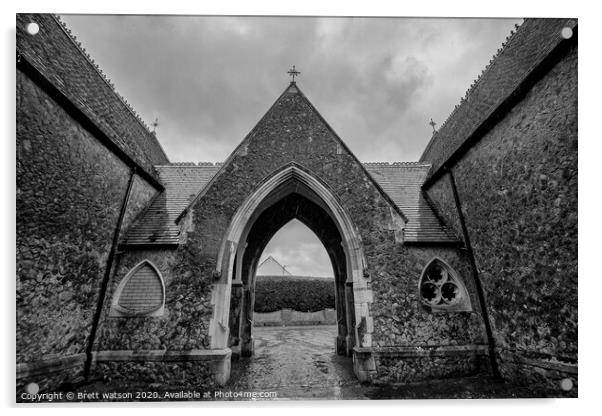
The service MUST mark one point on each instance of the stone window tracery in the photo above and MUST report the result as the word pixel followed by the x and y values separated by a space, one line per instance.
pixel 441 288
pixel 140 293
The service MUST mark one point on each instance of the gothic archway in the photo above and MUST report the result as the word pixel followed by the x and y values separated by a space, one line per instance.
pixel 292 192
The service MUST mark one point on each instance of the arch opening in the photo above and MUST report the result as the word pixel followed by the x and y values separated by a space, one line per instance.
pixel 270 221
pixel 295 250
pixel 295 281
pixel 291 193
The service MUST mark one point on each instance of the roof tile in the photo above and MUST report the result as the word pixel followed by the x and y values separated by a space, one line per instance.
pixel 157 225
pixel 519 55
pixel 402 182
pixel 62 60
pixel 183 181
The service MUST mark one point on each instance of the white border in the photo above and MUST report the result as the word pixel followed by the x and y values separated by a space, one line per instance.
pixel 590 90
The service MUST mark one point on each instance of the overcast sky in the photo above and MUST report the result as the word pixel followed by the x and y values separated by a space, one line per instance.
pixel 377 81
pixel 208 80
pixel 299 250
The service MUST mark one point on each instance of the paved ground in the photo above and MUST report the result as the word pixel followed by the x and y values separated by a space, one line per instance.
pixel 296 362
pixel 300 363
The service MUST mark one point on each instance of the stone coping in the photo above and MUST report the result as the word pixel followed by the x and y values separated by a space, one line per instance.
pixel 163 355
pixel 456 350
pixel 424 351
pixel 547 364
pixel 51 365
pixel 54 365
pixel 289 317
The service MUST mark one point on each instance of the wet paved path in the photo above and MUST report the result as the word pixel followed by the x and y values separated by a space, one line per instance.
pixel 297 363
pixel 300 363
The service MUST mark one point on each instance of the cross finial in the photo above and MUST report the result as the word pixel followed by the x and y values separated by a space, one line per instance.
pixel 155 124
pixel 293 73
pixel 432 123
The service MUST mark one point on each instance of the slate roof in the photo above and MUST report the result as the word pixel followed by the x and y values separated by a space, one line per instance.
pixel 401 181
pixel 64 63
pixel 520 54
pixel 157 225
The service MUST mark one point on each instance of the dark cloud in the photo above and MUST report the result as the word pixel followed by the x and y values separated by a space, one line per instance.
pixel 377 81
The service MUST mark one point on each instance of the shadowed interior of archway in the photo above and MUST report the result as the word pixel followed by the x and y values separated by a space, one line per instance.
pixel 291 200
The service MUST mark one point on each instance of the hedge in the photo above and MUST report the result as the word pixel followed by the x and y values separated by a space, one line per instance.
pixel 302 296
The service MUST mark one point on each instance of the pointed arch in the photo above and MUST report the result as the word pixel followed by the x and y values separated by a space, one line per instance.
pixel 442 289
pixel 292 178
pixel 140 293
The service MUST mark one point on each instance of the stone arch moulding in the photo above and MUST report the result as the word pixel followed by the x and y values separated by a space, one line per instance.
pixel 351 243
pixel 461 301
pixel 117 310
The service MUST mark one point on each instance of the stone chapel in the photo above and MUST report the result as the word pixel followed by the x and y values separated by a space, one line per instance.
pixel 462 262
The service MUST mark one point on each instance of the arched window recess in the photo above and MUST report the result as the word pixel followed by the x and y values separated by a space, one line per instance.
pixel 140 293
pixel 441 289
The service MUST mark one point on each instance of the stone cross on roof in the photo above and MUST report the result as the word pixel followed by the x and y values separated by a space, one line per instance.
pixel 432 123
pixel 293 73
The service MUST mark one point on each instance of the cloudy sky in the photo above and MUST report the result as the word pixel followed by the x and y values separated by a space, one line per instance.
pixel 377 81
pixel 299 250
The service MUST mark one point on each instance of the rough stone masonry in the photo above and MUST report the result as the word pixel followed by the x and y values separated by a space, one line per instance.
pixel 463 262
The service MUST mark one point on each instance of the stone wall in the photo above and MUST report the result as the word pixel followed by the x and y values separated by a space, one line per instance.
pixel 523 51
pixel 182 328
pixel 62 60
pixel 289 317
pixel 70 189
pixel 399 317
pixel 293 132
pixel 432 363
pixel 134 376
pixel 290 132
pixel 185 321
pixel 401 322
pixel 518 189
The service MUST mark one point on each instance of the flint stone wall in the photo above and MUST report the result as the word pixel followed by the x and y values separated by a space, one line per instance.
pixel 518 188
pixel 184 323
pixel 292 132
pixel 397 370
pixel 69 193
pixel 134 376
pixel 399 315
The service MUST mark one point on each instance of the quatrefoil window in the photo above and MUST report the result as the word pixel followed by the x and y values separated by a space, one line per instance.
pixel 442 289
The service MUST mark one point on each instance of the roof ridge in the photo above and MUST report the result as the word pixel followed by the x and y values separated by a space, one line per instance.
pixel 485 70
pixel 312 108
pixel 395 164
pixel 521 60
pixel 191 164
pixel 231 156
pixel 99 71
pixel 276 261
pixel 348 150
